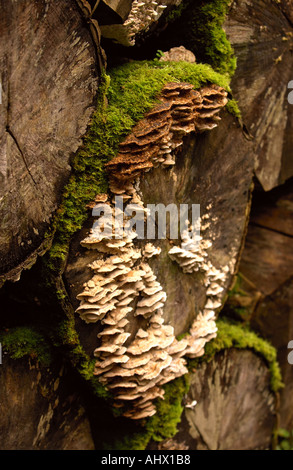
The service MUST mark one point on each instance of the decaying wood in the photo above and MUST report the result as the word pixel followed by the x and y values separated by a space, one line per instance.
pixel 229 405
pixel 261 34
pixel 49 81
pixel 263 46
pixel 39 409
pixel 266 288
pixel 287 8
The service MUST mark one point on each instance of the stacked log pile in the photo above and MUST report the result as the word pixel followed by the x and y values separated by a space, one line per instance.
pixel 144 313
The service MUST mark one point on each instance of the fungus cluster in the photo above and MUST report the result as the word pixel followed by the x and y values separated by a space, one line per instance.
pixel 137 353
pixel 156 138
pixel 123 287
pixel 178 54
pixel 152 359
pixel 192 256
pixel 142 15
pixel 202 331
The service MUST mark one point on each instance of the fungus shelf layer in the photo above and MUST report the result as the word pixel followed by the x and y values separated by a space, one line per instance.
pixel 155 139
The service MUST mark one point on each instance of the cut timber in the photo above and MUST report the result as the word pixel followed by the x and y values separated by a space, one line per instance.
pixel 49 81
pixel 262 37
pixel 39 408
pixel 274 254
pixel 273 319
pixel 235 409
pixel 287 8
pixel 267 260
pixel 267 266
pixel 121 7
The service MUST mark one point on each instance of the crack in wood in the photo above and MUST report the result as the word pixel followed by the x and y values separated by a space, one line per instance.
pixel 93 26
pixel 201 436
pixel 285 14
pixel 255 224
pixel 9 131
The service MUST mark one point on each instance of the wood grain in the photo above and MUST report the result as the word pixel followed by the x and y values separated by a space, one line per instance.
pixel 49 79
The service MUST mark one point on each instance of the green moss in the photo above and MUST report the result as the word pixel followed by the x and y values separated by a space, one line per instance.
pixel 199 25
pixel 233 108
pixel 24 341
pixel 175 13
pixel 284 439
pixel 83 364
pixel 161 426
pixel 135 441
pixel 129 91
pixel 135 85
pixel 239 305
pixel 232 335
pixel 236 287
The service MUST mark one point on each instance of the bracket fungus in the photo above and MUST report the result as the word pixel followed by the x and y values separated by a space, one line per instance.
pixel 156 138
pixel 142 15
pixel 178 54
pixel 123 289
pixel 192 256
pixel 133 372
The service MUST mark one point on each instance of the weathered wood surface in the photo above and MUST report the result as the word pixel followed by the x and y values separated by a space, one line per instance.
pixel 273 319
pixel 235 409
pixel 49 78
pixel 40 408
pixel 207 173
pixel 274 253
pixel 262 37
pixel 266 287
pixel 267 260
pixel 287 8
pixel 118 10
